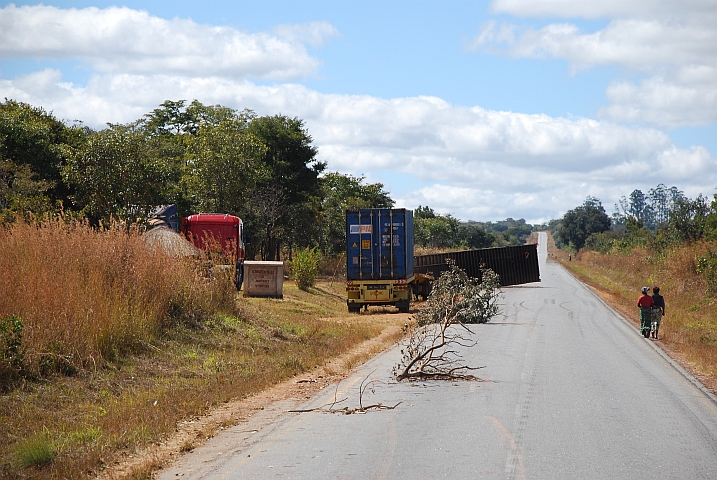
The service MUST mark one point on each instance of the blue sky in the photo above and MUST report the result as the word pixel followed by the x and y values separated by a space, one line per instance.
pixel 486 110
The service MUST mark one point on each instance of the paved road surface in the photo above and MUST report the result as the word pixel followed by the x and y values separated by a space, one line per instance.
pixel 570 391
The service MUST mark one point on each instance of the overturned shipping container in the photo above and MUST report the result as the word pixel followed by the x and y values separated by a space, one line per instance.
pixel 514 265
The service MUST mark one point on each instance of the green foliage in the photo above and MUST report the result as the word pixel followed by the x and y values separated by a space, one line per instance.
pixel 223 165
pixel 12 351
pixel 305 267
pixel 424 212
pixel 676 220
pixel 461 298
pixel 174 118
pixel 707 267
pixel 22 192
pixel 340 193
pixel 581 222
pixel 473 236
pixel 115 175
pixel 651 210
pixel 32 141
pixel 292 181
pixel 687 220
pixel 506 232
pixel 432 230
pixel 439 231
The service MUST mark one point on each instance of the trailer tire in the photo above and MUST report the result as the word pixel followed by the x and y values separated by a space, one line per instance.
pixel 404 306
pixel 354 308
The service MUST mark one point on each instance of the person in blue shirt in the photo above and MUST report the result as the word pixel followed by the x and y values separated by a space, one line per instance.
pixel 658 310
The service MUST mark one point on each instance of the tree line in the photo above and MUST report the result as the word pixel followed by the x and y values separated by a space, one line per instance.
pixel 661 218
pixel 203 158
pixel 435 231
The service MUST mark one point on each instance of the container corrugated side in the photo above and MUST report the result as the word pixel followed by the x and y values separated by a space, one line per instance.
pixel 515 265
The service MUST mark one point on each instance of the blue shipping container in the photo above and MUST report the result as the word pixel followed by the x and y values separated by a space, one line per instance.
pixel 379 244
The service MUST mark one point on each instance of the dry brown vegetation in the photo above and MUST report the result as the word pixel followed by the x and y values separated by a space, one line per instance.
pixel 121 345
pixel 689 329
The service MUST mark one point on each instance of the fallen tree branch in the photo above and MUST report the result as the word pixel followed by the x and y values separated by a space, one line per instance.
pixel 363 387
pixel 431 350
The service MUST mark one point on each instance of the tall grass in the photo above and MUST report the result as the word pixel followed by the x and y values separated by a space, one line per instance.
pixel 86 296
pixel 172 342
pixel 690 327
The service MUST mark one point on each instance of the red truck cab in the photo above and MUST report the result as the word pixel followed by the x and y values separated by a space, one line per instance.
pixel 219 234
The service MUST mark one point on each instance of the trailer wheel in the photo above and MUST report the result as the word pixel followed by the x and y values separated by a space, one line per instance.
pixel 354 308
pixel 403 306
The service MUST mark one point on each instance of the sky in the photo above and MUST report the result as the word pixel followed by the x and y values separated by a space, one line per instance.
pixel 482 109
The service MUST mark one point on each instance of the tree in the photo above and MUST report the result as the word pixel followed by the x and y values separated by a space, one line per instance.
pixel 578 224
pixel 114 174
pixel 687 219
pixel 175 118
pixel 21 192
pixel 340 192
pixel 33 137
pixel 440 231
pixel 472 236
pixel 292 168
pixel 424 212
pixel 223 163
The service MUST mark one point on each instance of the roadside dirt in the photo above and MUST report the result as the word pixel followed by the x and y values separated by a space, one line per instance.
pixel 195 432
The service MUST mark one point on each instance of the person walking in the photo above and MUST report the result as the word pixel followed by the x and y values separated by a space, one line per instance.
pixel 658 310
pixel 644 303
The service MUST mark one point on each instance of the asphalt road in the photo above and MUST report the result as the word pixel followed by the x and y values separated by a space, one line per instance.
pixel 569 391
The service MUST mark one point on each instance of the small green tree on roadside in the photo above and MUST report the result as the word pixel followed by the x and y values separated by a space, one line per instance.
pixel 305 267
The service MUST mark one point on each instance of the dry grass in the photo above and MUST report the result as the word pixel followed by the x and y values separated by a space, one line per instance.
pixel 86 296
pixel 151 343
pixel 689 330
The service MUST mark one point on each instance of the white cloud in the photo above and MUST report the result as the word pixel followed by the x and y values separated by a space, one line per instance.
pixel 131 41
pixel 601 9
pixel 673 43
pixel 313 33
pixel 641 44
pixel 664 102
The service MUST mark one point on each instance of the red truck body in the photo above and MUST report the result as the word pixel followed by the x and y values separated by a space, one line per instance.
pixel 218 233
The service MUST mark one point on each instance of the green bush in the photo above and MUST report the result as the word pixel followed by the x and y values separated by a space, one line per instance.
pixel 12 352
pixel 305 267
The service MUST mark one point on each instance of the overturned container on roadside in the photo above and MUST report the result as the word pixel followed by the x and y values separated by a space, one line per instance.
pixel 514 265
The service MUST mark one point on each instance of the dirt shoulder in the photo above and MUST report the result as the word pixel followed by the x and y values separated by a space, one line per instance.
pixel 270 403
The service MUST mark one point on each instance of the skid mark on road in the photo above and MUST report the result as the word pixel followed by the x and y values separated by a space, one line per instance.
pixel 514 467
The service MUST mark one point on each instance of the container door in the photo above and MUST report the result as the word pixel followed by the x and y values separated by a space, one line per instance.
pixel 391 250
pixel 360 236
